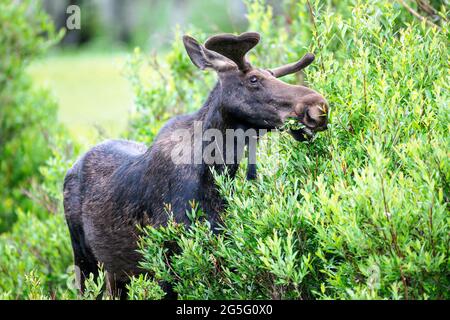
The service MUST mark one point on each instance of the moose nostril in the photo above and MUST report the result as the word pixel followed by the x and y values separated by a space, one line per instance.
pixel 316 116
pixel 309 117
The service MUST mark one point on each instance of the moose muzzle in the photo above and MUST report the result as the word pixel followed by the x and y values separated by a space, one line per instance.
pixel 313 112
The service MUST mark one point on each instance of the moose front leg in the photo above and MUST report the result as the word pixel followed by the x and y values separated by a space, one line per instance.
pixel 251 167
pixel 251 158
pixel 251 171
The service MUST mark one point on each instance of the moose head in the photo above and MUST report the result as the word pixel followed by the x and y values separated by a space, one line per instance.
pixel 255 97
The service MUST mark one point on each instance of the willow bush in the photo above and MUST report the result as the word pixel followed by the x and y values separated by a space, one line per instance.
pixel 34 241
pixel 362 212
pixel 27 115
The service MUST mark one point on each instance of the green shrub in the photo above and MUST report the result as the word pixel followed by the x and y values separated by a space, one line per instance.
pixel 36 253
pixel 144 288
pixel 362 212
pixel 37 247
pixel 34 155
pixel 27 116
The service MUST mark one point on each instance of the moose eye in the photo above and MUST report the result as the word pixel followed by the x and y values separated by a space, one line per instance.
pixel 253 79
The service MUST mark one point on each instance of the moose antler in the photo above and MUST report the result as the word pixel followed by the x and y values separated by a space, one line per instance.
pixel 293 67
pixel 234 47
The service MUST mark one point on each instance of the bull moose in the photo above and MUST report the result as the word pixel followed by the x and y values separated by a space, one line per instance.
pixel 119 185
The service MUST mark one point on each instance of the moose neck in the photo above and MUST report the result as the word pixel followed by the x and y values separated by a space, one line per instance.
pixel 213 117
pixel 211 114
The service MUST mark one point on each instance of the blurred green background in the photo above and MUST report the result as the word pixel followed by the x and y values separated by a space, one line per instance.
pixel 85 70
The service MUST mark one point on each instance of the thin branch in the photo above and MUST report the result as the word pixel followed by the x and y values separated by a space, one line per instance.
pixel 417 15
pixel 166 258
pixel 394 239
pixel 365 92
pixel 313 20
pixel 423 5
pixel 45 202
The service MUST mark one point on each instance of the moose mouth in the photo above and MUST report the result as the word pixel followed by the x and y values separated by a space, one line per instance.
pixel 298 130
pixel 303 134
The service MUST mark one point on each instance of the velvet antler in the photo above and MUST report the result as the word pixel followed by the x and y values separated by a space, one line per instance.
pixel 234 47
pixel 293 67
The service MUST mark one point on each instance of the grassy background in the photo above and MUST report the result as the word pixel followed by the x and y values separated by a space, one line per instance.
pixel 93 96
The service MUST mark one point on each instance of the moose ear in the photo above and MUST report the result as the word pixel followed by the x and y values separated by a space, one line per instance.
pixel 234 47
pixel 204 58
